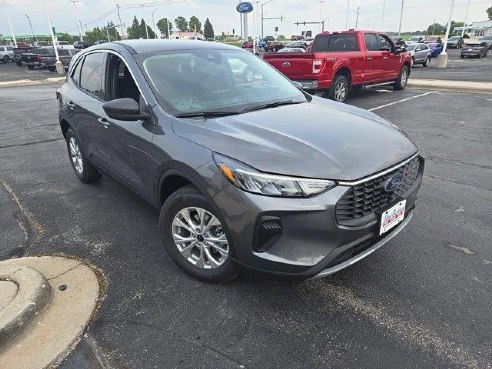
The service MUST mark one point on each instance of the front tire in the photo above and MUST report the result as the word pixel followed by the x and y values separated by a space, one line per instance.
pixel 339 89
pixel 401 82
pixel 80 165
pixel 427 62
pixel 6 59
pixel 193 235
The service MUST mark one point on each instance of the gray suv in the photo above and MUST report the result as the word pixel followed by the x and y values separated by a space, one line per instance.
pixel 247 170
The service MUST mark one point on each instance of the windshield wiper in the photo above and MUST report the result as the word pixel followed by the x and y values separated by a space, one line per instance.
pixel 271 105
pixel 206 114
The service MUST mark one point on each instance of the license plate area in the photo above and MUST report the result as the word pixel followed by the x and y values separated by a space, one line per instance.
pixel 392 217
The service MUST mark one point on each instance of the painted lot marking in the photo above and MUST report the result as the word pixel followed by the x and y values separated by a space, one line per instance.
pixel 402 100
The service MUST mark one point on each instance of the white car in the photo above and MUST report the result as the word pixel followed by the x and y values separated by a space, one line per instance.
pixel 6 53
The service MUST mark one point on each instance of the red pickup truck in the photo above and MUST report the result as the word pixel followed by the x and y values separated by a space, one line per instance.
pixel 337 61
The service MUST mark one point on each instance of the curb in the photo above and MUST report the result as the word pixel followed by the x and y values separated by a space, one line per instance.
pixel 33 293
pixel 29 82
pixel 447 85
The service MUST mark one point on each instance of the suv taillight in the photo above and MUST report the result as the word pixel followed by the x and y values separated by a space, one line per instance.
pixel 317 64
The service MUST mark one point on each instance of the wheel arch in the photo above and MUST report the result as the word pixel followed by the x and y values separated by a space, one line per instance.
pixel 345 71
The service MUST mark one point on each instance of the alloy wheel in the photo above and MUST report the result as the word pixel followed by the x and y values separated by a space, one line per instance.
pixel 200 238
pixel 340 91
pixel 76 155
pixel 404 77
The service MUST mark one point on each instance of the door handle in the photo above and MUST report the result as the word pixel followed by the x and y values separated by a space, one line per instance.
pixel 104 122
pixel 369 58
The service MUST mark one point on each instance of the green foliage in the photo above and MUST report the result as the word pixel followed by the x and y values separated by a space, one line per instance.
pixel 94 35
pixel 181 24
pixel 489 12
pixel 162 26
pixel 454 25
pixel 194 24
pixel 208 30
pixel 134 31
pixel 436 29
pixel 113 31
pixel 65 37
pixel 143 32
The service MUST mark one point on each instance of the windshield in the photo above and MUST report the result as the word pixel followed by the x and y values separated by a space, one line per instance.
pixel 193 81
pixel 453 38
pixel 411 47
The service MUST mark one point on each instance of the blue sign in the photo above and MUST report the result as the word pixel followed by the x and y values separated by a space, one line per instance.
pixel 244 7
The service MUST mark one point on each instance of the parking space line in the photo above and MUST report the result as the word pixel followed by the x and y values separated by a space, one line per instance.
pixel 402 100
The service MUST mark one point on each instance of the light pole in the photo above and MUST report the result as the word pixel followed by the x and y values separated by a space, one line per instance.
pixel 321 14
pixel 466 18
pixel 11 30
pixel 153 23
pixel 262 17
pixel 401 17
pixel 348 8
pixel 30 25
pixel 58 64
pixel 357 19
pixel 442 58
pixel 145 23
pixel 79 24
pixel 382 15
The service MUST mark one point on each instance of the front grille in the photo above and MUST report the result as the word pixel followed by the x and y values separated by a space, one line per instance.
pixel 369 197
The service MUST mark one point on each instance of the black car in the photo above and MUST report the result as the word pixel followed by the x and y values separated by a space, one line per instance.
pixel 250 172
pixel 455 42
pixel 475 49
pixel 273 46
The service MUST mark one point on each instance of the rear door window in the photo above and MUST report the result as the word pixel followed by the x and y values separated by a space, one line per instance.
pixel 92 75
pixel 371 40
pixel 336 42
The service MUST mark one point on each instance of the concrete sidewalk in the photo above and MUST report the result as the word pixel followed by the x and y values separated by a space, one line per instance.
pixel 447 85
pixel 27 82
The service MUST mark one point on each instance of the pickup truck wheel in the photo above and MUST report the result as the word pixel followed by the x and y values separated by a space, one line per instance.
pixel 339 89
pixel 401 82
pixel 6 59
pixel 80 165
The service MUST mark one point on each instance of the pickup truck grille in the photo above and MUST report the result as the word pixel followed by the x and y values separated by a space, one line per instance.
pixel 369 197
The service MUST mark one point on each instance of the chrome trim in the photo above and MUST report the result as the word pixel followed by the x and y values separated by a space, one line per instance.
pixel 386 171
pixel 365 253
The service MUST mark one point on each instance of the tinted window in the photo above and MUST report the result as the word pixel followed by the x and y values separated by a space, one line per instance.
pixel 91 75
pixel 372 43
pixel 76 73
pixel 384 43
pixel 9 48
pixel 339 42
pixel 424 47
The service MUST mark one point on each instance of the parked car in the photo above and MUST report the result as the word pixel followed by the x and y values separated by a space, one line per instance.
pixel 433 40
pixel 420 53
pixel 436 49
pixel 63 45
pixel 292 50
pixel 339 61
pixel 488 40
pixel 475 49
pixel 247 45
pixel 273 46
pixel 65 55
pixel 415 39
pixel 80 45
pixel 258 174
pixel 33 59
pixel 297 44
pixel 6 53
pixel 269 38
pixel 455 42
pixel 18 51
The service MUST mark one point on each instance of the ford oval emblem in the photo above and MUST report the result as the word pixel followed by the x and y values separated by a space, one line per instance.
pixel 286 64
pixel 393 182
pixel 244 7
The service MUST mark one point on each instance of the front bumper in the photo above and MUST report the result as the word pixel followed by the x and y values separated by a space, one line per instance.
pixel 312 242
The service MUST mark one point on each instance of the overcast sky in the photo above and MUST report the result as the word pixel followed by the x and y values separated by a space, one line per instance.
pixel 417 14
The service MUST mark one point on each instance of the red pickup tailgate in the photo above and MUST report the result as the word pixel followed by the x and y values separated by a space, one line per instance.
pixel 300 66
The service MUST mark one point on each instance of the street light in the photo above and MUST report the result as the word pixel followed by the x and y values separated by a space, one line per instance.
pixel 79 24
pixel 262 18
pixel 30 25
pixel 466 18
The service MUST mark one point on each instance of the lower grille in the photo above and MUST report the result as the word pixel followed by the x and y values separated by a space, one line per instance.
pixel 369 197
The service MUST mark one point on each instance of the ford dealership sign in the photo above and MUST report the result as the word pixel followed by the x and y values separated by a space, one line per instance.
pixel 244 7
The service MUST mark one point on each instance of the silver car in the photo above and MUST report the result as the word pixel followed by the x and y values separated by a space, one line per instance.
pixel 420 53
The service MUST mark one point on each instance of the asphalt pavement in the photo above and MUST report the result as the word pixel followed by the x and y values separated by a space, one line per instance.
pixel 421 301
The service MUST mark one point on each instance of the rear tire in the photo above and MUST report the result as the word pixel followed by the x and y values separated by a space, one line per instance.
pixel 6 59
pixel 196 256
pixel 427 62
pixel 339 89
pixel 80 165
pixel 401 82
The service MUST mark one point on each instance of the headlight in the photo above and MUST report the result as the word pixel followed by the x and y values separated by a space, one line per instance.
pixel 249 179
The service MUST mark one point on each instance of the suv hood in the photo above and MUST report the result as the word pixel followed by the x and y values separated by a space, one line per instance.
pixel 319 139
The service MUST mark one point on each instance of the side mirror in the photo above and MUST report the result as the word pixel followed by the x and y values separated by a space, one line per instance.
pixel 386 48
pixel 124 109
pixel 400 49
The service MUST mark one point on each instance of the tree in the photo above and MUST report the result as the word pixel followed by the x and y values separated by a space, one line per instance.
pixel 181 24
pixel 208 30
pixel 195 25
pixel 454 25
pixel 113 31
pixel 95 34
pixel 489 12
pixel 134 31
pixel 436 29
pixel 64 37
pixel 162 26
